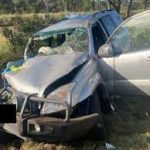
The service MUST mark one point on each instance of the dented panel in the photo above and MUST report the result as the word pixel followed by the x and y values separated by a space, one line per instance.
pixel 39 72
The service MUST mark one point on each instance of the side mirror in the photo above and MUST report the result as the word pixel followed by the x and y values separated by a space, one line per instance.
pixel 105 51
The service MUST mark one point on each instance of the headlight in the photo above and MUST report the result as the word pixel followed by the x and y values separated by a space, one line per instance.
pixel 63 93
pixel 37 128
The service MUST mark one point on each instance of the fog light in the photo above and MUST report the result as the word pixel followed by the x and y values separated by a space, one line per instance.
pixel 49 130
pixel 37 128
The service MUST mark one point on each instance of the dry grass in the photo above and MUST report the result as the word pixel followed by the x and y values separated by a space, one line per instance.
pixel 129 126
pixel 15 19
pixel 31 14
pixel 4 43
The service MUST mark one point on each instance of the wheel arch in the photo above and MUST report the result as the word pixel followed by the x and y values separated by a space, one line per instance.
pixel 104 98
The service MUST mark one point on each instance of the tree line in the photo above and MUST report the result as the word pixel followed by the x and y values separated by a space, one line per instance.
pixel 45 6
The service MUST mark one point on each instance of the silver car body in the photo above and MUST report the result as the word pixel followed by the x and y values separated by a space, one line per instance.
pixel 126 55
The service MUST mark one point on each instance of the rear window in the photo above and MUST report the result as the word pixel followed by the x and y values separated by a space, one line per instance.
pixel 116 18
pixel 108 24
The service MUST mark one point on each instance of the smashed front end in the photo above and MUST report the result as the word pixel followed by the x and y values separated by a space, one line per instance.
pixel 32 123
pixel 47 91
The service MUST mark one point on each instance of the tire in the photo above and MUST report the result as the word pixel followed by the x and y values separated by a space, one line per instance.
pixel 98 131
pixel 6 137
pixel 104 100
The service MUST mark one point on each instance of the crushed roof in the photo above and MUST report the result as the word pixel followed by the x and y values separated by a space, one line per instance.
pixel 73 22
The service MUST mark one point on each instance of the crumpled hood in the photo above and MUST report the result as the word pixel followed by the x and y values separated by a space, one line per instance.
pixel 39 72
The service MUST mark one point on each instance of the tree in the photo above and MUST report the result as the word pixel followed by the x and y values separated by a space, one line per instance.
pixel 93 4
pixel 5 1
pixel 44 4
pixel 129 7
pixel 19 5
pixel 115 4
pixel 146 3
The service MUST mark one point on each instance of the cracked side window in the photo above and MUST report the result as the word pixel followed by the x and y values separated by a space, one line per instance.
pixel 108 24
pixel 99 37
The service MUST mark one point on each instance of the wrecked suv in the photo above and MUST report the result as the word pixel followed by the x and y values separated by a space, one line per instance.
pixel 57 88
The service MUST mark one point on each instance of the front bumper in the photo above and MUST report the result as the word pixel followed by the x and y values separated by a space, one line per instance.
pixel 46 128
pixel 54 129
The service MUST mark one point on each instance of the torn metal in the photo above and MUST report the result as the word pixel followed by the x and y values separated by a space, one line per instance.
pixel 39 72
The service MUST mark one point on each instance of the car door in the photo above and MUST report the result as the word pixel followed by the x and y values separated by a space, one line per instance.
pixel 99 38
pixel 131 49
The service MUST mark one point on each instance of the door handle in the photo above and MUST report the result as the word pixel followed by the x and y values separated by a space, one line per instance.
pixel 148 58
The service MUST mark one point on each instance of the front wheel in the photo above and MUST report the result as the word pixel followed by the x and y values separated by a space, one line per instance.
pixel 98 131
pixel 105 104
pixel 6 137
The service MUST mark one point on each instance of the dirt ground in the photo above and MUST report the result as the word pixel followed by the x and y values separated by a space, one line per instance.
pixel 128 128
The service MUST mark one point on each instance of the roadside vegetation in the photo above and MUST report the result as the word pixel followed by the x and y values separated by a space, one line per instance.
pixel 15 30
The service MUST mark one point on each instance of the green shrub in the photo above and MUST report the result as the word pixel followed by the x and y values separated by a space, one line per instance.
pixel 16 29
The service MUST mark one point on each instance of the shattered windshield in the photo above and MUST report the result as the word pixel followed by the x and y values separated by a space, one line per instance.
pixel 60 42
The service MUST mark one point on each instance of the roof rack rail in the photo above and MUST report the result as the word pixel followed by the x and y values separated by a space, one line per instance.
pixel 102 11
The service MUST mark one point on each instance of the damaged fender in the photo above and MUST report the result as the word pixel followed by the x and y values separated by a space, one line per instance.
pixel 87 81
